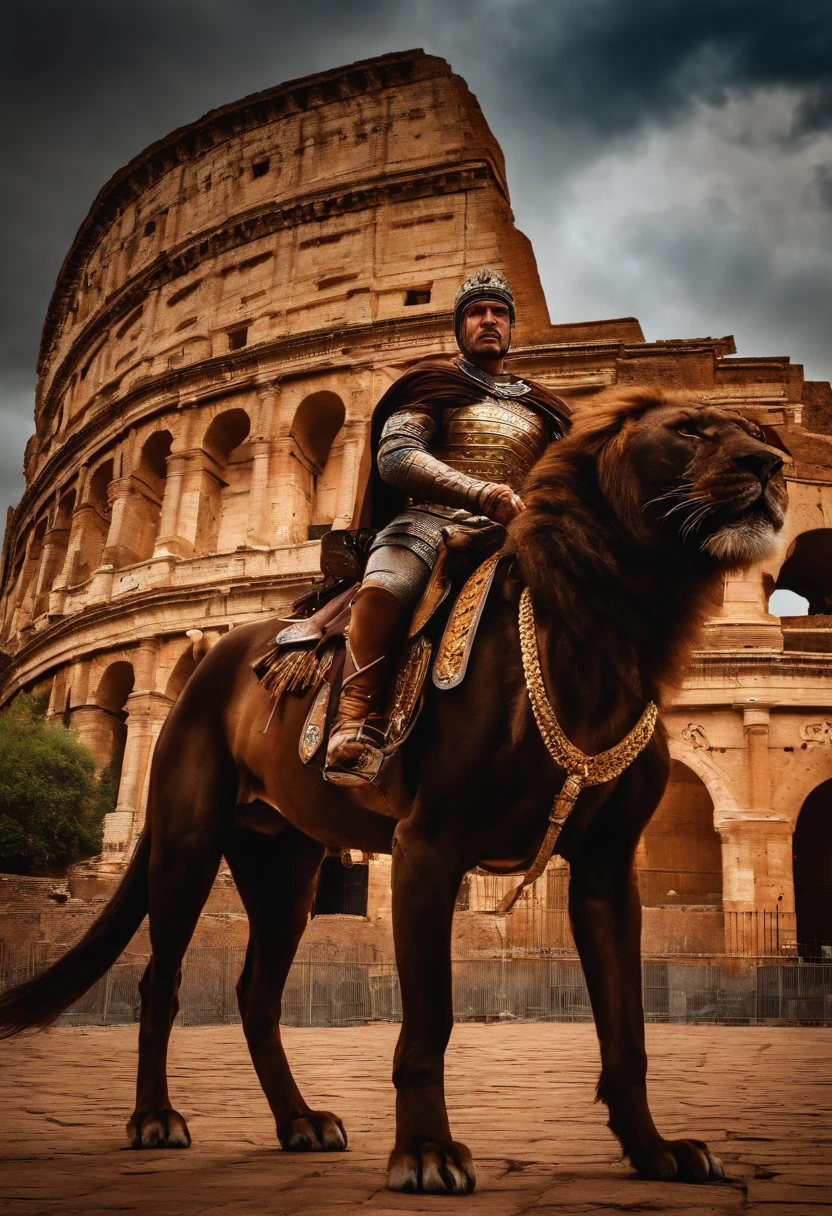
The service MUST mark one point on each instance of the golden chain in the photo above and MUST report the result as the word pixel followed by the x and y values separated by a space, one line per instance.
pixel 581 769
pixel 589 770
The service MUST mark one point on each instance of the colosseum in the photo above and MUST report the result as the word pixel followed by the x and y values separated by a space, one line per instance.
pixel 237 299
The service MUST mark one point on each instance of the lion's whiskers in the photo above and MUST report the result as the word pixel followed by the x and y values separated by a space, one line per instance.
pixel 672 493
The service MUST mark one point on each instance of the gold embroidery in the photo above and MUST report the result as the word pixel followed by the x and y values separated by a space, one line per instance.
pixel 455 647
pixel 407 691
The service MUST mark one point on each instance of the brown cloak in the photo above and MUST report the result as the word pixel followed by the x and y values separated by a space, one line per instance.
pixel 442 383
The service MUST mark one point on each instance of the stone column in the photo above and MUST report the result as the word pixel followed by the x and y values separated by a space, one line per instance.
pixel 355 436
pixel 743 618
pixel 201 477
pixel 25 590
pixel 146 711
pixel 59 696
pixel 119 549
pixel 120 825
pixel 757 877
pixel 94 727
pixel 289 492
pixel 58 594
pixel 168 542
pixel 259 502
pixel 51 564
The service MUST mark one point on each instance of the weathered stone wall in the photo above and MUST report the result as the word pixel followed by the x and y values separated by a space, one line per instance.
pixel 237 300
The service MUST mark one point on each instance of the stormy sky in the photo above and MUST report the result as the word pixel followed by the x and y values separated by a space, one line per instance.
pixel 668 160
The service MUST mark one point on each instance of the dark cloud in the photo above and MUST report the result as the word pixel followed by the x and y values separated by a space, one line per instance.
pixel 737 278
pixel 611 66
pixel 86 85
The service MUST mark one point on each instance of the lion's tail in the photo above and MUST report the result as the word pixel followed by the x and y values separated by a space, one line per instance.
pixel 38 1001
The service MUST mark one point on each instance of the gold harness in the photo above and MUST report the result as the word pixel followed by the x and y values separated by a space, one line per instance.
pixel 581 770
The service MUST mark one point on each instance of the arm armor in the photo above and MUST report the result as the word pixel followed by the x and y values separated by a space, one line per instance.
pixel 405 461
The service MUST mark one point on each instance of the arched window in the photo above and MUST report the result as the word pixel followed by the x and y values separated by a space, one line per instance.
pixel 223 512
pixel 54 551
pixel 812 850
pixel 185 667
pixel 679 857
pixel 146 502
pixel 342 890
pixel 314 432
pixel 29 578
pixel 803 592
pixel 94 526
pixel 103 726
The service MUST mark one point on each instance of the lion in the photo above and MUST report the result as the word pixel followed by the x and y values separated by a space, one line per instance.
pixel 631 523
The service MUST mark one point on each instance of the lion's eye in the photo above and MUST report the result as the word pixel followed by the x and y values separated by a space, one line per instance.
pixel 689 431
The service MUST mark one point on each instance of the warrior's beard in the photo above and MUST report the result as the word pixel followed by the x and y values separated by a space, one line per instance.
pixel 489 355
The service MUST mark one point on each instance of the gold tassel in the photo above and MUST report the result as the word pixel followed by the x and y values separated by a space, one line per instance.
pixel 281 670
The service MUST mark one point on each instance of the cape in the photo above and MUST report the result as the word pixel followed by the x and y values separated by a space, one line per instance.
pixel 438 382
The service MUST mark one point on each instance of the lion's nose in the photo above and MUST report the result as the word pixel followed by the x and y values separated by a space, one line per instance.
pixel 763 464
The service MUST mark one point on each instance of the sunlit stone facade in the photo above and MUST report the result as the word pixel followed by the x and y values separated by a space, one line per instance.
pixel 236 301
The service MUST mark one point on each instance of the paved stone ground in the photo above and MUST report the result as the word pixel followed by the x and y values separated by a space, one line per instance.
pixel 520 1095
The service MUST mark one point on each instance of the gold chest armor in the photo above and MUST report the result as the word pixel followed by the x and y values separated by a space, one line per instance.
pixel 492 440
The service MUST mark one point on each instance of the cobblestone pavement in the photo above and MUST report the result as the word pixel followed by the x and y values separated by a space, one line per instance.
pixel 520 1095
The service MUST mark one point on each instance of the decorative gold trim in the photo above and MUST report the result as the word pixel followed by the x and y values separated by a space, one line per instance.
pixel 408 690
pixel 313 729
pixel 458 638
pixel 581 769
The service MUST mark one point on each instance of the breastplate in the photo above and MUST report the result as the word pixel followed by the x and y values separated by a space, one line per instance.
pixel 492 440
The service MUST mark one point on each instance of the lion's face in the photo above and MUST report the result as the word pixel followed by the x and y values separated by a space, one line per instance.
pixel 707 477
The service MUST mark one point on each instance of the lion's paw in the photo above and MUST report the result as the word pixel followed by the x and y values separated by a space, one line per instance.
pixel 680 1161
pixel 434 1167
pixel 158 1129
pixel 319 1131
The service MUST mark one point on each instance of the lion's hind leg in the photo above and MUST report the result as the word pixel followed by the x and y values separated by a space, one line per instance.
pixel 192 792
pixel 276 878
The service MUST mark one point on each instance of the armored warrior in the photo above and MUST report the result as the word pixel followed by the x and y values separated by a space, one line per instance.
pixel 450 440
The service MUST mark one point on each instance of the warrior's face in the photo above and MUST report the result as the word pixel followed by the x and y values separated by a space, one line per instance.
pixel 486 330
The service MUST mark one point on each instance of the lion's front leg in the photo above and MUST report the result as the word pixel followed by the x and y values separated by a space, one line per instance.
pixel 426 877
pixel 605 908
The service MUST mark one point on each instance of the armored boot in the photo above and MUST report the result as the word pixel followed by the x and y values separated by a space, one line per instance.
pixel 354 753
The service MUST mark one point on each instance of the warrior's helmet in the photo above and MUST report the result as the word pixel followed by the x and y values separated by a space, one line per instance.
pixel 485 284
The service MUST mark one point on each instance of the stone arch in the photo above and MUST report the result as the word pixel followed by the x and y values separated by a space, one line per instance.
pixel 807 572
pixel 115 686
pixel 812 862
pixel 184 668
pixel 679 857
pixel 16 567
pixel 143 494
pixel 810 766
pixel 93 525
pixel 54 550
pixel 223 509
pixel 700 762
pixel 315 436
pixel 101 725
pixel 341 890
pixel 29 572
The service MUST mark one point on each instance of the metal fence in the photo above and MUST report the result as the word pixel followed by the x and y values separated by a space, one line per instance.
pixel 337 992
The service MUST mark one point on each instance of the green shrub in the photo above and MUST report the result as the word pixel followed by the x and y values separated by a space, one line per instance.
pixel 52 805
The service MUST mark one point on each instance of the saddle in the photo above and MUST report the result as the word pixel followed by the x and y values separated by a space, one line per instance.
pixel 310 651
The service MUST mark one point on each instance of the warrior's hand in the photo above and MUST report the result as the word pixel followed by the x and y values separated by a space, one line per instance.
pixel 500 503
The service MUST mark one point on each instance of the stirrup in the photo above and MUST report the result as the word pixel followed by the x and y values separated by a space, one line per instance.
pixel 367 764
